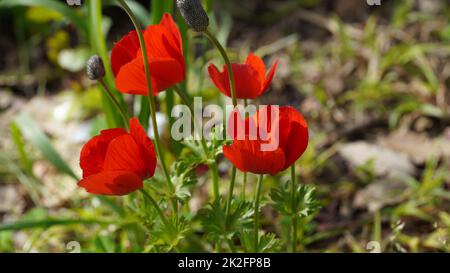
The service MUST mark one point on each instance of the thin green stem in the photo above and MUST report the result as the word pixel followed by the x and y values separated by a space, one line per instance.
pixel 158 209
pixel 294 211
pixel 212 166
pixel 244 185
pixel 215 178
pixel 233 93
pixel 123 113
pixel 256 215
pixel 230 195
pixel 151 100
pixel 227 62
pixel 234 100
pixel 184 97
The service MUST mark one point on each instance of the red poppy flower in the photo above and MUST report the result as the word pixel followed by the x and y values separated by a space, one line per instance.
pixel 250 78
pixel 165 56
pixel 116 162
pixel 286 131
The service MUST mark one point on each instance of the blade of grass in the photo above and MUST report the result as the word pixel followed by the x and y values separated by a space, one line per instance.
pixel 17 138
pixel 31 132
pixel 49 223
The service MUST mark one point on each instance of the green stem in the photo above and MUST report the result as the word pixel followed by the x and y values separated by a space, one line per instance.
pixel 151 100
pixel 227 62
pixel 230 195
pixel 233 97
pixel 233 92
pixel 184 97
pixel 294 211
pixel 158 209
pixel 123 113
pixel 256 215
pixel 244 185
pixel 215 178
pixel 212 166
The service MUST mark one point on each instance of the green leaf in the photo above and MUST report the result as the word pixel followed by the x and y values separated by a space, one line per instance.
pixel 266 242
pixel 213 218
pixel 36 136
pixel 163 237
pixel 67 11
pixel 303 202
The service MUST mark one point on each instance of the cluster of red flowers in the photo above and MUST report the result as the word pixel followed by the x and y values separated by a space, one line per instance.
pixel 116 162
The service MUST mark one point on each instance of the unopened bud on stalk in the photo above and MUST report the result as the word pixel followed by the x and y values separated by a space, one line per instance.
pixel 194 14
pixel 95 68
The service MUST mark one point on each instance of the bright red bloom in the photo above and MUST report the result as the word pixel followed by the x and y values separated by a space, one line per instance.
pixel 116 162
pixel 287 129
pixel 165 56
pixel 251 80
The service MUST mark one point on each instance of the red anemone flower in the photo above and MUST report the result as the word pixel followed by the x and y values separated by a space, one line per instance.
pixel 165 57
pixel 116 162
pixel 250 78
pixel 286 131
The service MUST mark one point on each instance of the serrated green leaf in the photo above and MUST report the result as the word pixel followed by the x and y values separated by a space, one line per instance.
pixel 213 218
pixel 183 173
pixel 303 203
pixel 266 242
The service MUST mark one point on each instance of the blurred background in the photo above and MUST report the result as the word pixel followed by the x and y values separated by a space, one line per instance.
pixel 372 81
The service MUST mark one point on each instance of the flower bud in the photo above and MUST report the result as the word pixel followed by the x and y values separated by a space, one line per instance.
pixel 194 14
pixel 95 68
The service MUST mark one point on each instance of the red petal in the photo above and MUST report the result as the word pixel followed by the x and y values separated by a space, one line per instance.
pixel 246 79
pixel 247 82
pixel 165 73
pixel 93 152
pixel 219 79
pixel 247 156
pixel 293 134
pixel 164 41
pixel 131 78
pixel 168 23
pixel 270 77
pixel 124 51
pixel 257 64
pixel 123 154
pixel 112 183
pixel 239 128
pixel 145 146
